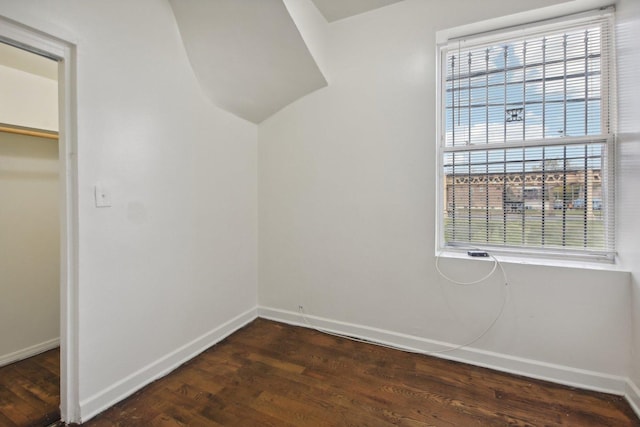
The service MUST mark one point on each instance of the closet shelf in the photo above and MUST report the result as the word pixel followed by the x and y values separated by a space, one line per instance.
pixel 28 131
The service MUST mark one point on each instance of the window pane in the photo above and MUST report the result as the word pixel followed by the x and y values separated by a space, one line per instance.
pixel 526 141
pixel 540 197
pixel 545 86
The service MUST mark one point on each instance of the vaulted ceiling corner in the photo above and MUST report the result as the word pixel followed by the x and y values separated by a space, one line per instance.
pixel 248 55
pixel 254 57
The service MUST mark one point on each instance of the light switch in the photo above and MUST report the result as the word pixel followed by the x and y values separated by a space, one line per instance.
pixel 103 196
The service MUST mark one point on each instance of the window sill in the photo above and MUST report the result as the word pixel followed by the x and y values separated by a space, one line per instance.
pixel 533 260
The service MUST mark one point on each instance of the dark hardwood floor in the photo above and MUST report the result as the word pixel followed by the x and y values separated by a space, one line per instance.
pixel 30 391
pixel 271 374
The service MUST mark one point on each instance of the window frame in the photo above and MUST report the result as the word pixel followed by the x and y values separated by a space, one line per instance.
pixel 519 31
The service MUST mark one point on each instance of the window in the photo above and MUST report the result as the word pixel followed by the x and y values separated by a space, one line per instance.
pixel 526 139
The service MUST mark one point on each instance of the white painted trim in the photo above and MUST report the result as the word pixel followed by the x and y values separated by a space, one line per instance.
pixel 560 374
pixel 29 351
pixel 64 51
pixel 127 386
pixel 632 393
pixel 521 18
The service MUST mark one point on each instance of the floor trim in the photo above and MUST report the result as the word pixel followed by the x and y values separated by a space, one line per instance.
pixel 127 386
pixel 25 353
pixel 632 394
pixel 501 362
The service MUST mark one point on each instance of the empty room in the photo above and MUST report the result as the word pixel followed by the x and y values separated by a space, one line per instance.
pixel 333 212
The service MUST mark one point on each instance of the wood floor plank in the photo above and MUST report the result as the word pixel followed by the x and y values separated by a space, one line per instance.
pixel 30 391
pixel 271 374
pixel 6 422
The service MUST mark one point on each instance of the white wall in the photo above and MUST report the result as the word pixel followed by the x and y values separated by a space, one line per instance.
pixel 174 260
pixel 347 186
pixel 29 244
pixel 628 34
pixel 28 100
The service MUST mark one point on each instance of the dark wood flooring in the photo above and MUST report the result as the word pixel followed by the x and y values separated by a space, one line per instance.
pixel 30 391
pixel 271 374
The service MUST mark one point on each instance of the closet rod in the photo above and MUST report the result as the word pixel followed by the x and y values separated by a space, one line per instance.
pixel 29 132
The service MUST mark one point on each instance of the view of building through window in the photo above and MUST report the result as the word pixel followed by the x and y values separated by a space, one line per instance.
pixel 526 141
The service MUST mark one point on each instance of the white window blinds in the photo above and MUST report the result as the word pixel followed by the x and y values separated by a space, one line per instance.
pixel 526 144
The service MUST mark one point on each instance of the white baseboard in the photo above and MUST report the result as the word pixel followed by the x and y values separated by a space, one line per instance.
pixel 632 394
pixel 127 386
pixel 501 362
pixel 29 351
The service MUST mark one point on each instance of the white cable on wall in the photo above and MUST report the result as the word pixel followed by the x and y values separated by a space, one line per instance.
pixel 496 265
pixel 474 282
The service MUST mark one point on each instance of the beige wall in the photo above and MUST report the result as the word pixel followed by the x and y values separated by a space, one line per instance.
pixel 29 244
pixel 28 100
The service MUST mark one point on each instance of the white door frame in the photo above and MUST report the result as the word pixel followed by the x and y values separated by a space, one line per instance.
pixel 65 53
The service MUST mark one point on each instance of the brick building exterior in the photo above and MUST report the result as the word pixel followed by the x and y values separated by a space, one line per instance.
pixel 529 190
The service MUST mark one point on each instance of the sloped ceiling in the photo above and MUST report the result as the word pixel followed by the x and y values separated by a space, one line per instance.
pixel 248 55
pixel 334 10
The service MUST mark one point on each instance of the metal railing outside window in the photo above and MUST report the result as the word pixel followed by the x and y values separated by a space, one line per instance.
pixel 526 140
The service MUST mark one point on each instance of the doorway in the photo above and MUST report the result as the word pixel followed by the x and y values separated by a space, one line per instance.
pixel 62 54
pixel 30 230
